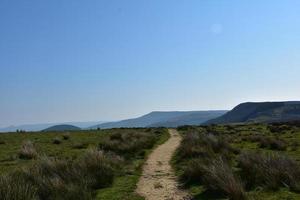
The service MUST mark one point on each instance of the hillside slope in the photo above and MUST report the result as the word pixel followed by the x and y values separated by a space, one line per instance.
pixel 261 112
pixel 62 127
pixel 190 119
pixel 164 119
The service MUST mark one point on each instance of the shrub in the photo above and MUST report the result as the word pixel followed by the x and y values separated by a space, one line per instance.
pixel 28 150
pixel 2 142
pixel 270 170
pixel 56 140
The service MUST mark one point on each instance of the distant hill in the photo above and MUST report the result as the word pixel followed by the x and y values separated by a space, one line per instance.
pixel 62 127
pixel 261 112
pixel 165 119
pixel 39 127
pixel 189 118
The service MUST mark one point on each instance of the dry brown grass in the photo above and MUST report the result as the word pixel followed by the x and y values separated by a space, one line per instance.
pixel 270 170
pixel 218 176
pixel 51 178
pixel 28 150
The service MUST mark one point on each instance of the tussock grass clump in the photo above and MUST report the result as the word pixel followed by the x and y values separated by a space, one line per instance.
pixel 98 167
pixel 270 170
pixel 268 142
pixel 185 128
pixel 192 172
pixel 204 145
pixel 28 150
pixel 51 178
pixel 128 144
pixel 15 187
pixel 80 145
pixel 219 144
pixel 57 179
pixel 56 140
pixel 192 146
pixel 218 159
pixel 279 128
pixel 205 158
pixel 294 145
pixel 66 136
pixel 273 144
pixel 218 176
pixel 257 137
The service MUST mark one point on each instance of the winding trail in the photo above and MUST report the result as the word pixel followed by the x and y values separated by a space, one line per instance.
pixel 158 181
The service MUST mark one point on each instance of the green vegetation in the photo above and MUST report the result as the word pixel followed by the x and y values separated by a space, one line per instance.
pixel 251 161
pixel 84 165
pixel 260 112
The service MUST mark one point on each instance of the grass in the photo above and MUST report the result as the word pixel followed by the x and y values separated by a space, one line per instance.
pixel 124 187
pixel 66 136
pixel 18 188
pixel 270 170
pixel 28 150
pixel 243 161
pixel 62 179
pixel 56 140
pixel 128 144
pixel 219 177
pixel 85 164
pixel 43 143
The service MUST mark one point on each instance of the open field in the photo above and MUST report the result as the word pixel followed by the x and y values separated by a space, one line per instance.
pixel 254 161
pixel 104 164
pixel 251 161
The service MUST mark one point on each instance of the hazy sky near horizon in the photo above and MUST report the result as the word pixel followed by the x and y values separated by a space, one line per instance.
pixel 74 60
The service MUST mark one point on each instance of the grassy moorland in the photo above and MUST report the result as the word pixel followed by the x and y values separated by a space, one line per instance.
pixel 253 161
pixel 104 164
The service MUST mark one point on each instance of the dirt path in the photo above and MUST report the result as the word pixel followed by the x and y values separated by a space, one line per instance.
pixel 158 181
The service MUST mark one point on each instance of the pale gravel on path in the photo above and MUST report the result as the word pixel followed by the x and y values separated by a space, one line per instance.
pixel 158 181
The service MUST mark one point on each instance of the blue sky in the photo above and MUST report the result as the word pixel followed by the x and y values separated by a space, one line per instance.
pixel 73 60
